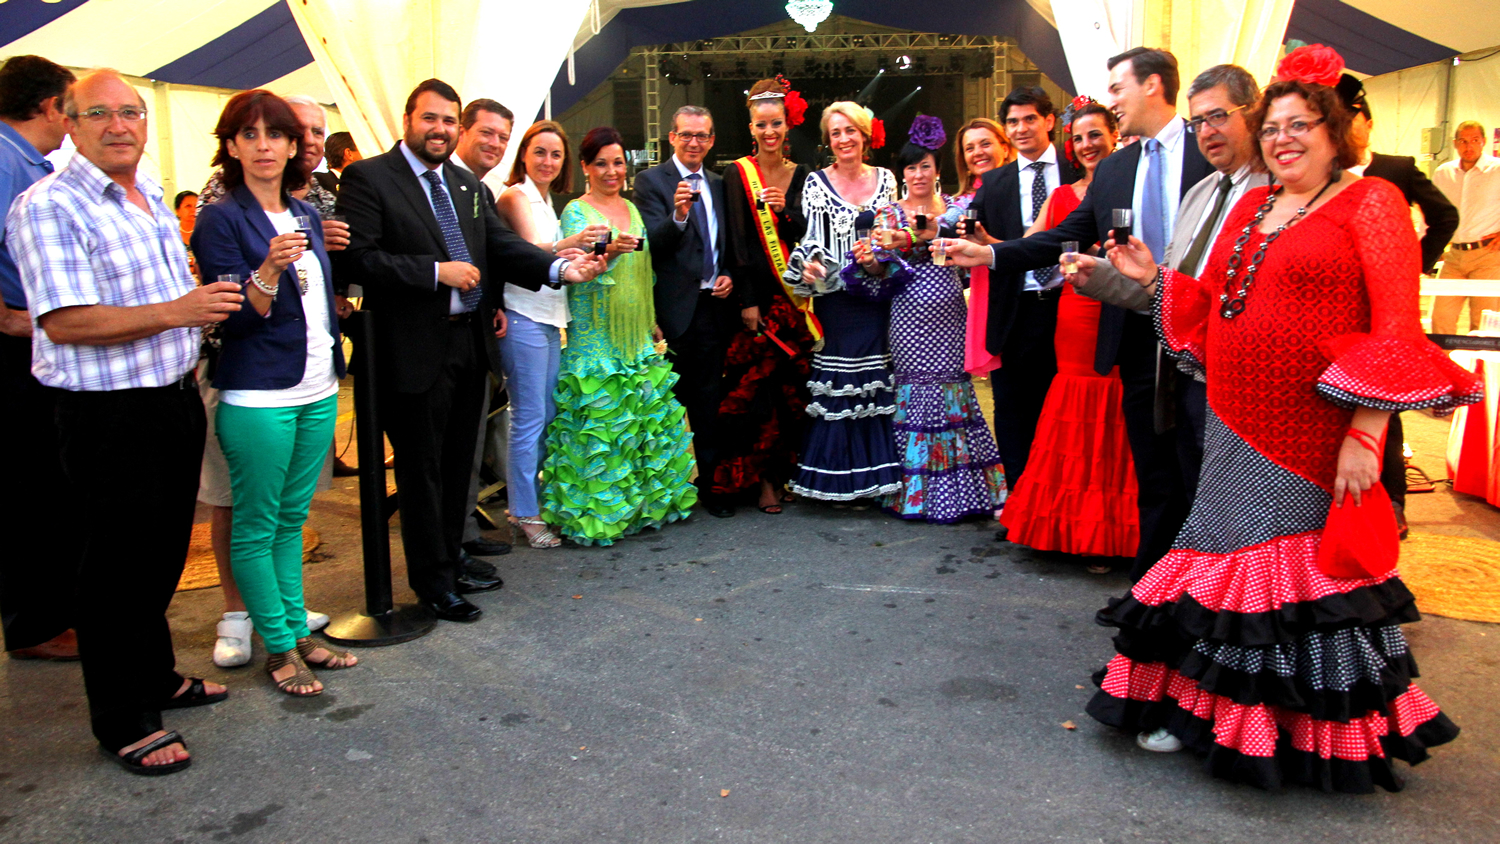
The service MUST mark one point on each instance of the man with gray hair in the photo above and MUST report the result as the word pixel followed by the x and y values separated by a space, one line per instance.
pixel 682 204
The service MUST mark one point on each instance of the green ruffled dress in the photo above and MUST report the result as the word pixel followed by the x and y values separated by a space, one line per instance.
pixel 617 453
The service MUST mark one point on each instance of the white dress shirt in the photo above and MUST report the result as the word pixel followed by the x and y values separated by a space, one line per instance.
pixel 1050 175
pixel 1475 193
pixel 1172 136
pixel 706 197
pixel 1240 182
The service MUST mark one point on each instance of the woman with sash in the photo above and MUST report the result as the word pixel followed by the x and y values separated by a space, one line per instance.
pixel 763 415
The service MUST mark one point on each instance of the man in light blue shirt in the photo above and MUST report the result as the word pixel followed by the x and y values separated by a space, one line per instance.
pixel 36 570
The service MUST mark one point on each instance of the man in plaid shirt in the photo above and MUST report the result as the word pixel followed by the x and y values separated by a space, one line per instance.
pixel 117 319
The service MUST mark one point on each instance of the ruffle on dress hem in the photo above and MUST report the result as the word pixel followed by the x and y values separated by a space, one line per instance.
pixel 823 495
pixel 1394 373
pixel 859 411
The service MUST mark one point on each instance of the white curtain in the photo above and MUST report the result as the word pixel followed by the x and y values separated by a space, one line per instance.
pixel 1200 33
pixel 373 52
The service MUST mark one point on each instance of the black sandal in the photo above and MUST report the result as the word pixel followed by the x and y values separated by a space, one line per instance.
pixel 303 677
pixel 336 660
pixel 134 760
pixel 195 695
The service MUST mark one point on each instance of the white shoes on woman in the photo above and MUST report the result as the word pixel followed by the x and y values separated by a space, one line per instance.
pixel 233 647
pixel 1159 741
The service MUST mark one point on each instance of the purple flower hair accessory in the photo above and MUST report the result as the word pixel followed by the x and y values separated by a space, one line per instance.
pixel 927 132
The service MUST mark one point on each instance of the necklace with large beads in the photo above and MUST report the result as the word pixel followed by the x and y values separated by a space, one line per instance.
pixel 1229 308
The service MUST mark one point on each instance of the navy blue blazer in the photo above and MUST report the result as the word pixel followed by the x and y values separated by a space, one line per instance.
pixel 233 235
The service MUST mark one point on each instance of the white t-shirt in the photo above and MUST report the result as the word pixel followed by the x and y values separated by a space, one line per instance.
pixel 548 306
pixel 319 380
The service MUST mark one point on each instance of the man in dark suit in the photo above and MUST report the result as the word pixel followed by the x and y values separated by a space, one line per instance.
pixel 423 242
pixel 1149 177
pixel 1442 221
pixel 1023 305
pixel 339 151
pixel 687 234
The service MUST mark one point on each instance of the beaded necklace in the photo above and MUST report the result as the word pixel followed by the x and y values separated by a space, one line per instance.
pixel 1231 308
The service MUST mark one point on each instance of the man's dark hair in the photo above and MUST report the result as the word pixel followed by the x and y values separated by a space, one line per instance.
pixel 471 112
pixel 1031 95
pixel 28 82
pixel 1236 80
pixel 1146 62
pixel 337 148
pixel 436 86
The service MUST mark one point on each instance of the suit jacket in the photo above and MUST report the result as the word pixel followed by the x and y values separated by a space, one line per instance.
pixel 328 179
pixel 1113 187
pixel 1441 216
pixel 677 254
pixel 998 199
pixel 394 243
pixel 1113 287
pixel 268 352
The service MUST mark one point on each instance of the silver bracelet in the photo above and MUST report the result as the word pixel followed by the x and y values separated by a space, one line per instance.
pixel 261 286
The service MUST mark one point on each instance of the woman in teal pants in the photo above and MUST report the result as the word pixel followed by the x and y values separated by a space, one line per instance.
pixel 278 372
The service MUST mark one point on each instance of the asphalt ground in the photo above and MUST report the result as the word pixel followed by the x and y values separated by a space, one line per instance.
pixel 826 675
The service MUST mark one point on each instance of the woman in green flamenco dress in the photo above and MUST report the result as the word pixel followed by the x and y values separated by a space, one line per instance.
pixel 617 452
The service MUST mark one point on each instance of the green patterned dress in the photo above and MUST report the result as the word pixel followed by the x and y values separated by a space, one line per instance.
pixel 617 452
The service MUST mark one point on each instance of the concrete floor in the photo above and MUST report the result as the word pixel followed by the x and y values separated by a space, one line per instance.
pixel 841 675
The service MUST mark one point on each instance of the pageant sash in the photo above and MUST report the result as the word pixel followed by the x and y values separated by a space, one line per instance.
pixel 770 243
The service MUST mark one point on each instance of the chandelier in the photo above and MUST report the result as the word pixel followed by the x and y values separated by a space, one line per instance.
pixel 809 13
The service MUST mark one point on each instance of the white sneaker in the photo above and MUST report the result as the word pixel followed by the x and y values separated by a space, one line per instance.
pixel 233 647
pixel 316 621
pixel 1160 741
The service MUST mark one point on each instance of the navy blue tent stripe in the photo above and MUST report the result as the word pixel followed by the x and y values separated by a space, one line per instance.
pixel 1367 43
pixel 709 19
pixel 18 19
pixel 266 47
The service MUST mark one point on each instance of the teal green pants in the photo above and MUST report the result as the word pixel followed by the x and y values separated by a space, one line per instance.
pixel 275 455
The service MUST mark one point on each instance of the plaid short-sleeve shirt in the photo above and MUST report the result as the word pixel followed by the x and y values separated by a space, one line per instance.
pixel 78 241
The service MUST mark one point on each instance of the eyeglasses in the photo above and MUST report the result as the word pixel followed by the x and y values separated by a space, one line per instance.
pixel 1295 129
pixel 100 114
pixel 1216 118
pixel 694 137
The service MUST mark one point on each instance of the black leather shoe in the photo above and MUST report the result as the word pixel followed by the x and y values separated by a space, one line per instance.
pixel 469 583
pixel 469 565
pixel 482 547
pixel 717 507
pixel 449 606
pixel 343 470
pixel 1002 533
pixel 1402 529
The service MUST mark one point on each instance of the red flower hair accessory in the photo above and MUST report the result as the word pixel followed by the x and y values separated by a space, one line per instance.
pixel 1312 63
pixel 877 133
pixel 796 107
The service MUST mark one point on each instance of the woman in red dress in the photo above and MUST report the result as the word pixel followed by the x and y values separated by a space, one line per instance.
pixel 1078 493
pixel 1241 643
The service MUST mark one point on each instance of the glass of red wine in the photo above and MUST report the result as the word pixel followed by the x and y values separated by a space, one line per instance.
pixel 1122 218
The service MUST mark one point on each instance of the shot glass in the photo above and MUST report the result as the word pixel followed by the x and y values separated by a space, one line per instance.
pixel 1069 256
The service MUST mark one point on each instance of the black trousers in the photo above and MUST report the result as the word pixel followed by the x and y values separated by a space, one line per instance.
pixel 698 360
pixel 145 446
pixel 433 434
pixel 1161 495
pixel 1028 365
pixel 1393 461
pixel 40 563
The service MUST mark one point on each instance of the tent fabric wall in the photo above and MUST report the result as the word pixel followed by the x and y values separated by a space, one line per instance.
pixel 1440 95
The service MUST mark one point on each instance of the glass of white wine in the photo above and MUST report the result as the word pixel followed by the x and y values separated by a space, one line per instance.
pixel 1069 256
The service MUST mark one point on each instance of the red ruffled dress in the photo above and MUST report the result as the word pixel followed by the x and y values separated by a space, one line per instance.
pixel 1235 641
pixel 1078 492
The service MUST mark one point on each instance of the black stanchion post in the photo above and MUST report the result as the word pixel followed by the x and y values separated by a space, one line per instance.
pixel 382 622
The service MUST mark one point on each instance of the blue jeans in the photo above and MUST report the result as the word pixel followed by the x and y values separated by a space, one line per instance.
pixel 531 353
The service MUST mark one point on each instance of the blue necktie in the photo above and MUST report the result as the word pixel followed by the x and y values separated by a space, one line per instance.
pixel 453 236
pixel 1153 201
pixel 700 216
pixel 1042 277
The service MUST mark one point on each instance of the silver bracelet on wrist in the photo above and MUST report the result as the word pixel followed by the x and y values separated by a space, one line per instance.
pixel 261 286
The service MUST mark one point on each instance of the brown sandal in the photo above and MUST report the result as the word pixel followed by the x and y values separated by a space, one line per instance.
pixel 336 659
pixel 303 679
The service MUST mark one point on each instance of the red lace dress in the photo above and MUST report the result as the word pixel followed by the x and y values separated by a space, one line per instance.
pixel 1235 641
pixel 1078 492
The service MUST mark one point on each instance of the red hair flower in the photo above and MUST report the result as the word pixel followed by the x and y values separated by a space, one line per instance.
pixel 1312 63
pixel 796 108
pixel 877 133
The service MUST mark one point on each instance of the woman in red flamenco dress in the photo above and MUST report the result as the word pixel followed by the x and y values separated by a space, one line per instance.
pixel 1078 493
pixel 1237 644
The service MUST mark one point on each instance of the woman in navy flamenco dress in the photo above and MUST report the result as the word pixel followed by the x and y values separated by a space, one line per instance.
pixel 1237 644
pixel 950 467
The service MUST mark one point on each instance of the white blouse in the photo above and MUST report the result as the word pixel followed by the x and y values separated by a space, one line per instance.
pixel 547 306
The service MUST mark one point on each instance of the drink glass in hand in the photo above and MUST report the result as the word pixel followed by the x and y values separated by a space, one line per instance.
pixel 940 252
pixel 1070 256
pixel 760 200
pixel 863 236
pixel 603 242
pixel 922 218
pixel 303 224
pixel 697 185
pixel 232 278
pixel 1122 218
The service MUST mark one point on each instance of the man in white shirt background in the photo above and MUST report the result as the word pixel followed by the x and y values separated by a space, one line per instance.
pixel 1472 183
